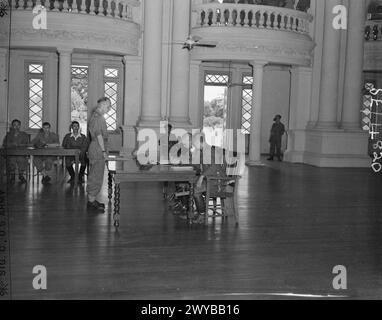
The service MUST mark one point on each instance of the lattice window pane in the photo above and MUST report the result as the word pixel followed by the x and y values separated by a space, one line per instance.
pixel 111 92
pixel 35 103
pixel 248 80
pixel 80 71
pixel 246 102
pixel 36 68
pixel 111 73
pixel 216 79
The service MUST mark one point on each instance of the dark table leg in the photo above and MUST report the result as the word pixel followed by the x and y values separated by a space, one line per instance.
pixel 117 194
pixel 191 203
pixel 110 185
pixel 77 160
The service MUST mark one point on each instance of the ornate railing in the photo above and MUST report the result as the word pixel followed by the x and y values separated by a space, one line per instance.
pixel 251 16
pixel 119 9
pixel 373 30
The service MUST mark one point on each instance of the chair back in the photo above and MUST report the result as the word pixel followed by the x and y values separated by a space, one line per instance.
pixel 236 165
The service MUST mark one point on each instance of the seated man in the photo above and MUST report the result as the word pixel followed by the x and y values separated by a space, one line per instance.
pixel 76 140
pixel 212 164
pixel 45 139
pixel 14 139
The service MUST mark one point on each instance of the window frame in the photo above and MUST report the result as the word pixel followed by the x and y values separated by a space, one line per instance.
pixel 27 77
pixel 245 87
pixel 120 91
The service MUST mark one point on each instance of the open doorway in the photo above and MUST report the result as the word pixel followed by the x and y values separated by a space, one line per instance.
pixel 215 107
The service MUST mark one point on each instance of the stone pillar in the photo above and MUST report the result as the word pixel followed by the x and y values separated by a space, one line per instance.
pixel 180 71
pixel 196 98
pixel 257 101
pixel 152 64
pixel 64 95
pixel 4 92
pixel 354 65
pixel 328 105
pixel 301 80
pixel 132 102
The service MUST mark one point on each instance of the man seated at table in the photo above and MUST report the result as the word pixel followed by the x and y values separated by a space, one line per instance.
pixel 45 139
pixel 16 138
pixel 212 163
pixel 76 140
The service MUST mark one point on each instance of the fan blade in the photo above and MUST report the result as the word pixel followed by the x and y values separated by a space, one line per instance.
pixel 206 45
pixel 206 42
pixel 195 38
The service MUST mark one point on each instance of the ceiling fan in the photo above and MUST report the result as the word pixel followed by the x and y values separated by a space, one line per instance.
pixel 196 41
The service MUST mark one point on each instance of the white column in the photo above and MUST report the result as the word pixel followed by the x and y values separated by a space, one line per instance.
pixel 354 65
pixel 132 102
pixel 152 64
pixel 195 96
pixel 180 71
pixel 327 118
pixel 3 92
pixel 64 97
pixel 257 101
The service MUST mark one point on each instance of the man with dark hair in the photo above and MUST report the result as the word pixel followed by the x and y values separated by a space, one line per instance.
pixel 76 140
pixel 45 138
pixel 15 139
pixel 277 132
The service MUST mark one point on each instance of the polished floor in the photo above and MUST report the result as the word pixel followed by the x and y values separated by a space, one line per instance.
pixel 296 224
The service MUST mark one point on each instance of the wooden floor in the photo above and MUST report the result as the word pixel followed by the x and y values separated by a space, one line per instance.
pixel 296 223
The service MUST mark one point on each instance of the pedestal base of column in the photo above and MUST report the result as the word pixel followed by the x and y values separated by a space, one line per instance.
pixel 180 122
pixel 129 141
pixel 251 163
pixel 326 125
pixel 330 148
pixel 351 126
pixel 296 146
pixel 149 122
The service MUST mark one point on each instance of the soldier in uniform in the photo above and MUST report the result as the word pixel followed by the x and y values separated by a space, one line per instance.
pixel 45 138
pixel 97 153
pixel 277 132
pixel 14 139
pixel 76 140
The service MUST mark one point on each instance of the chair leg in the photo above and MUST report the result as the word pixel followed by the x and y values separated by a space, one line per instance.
pixel 235 208
pixel 215 203
pixel 223 208
pixel 207 205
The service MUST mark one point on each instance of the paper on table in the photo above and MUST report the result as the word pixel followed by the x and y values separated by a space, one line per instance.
pixel 182 168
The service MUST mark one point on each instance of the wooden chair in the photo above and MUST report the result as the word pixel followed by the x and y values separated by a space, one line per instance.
pixel 221 193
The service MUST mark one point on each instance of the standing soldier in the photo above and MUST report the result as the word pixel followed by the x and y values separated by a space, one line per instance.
pixel 277 132
pixel 97 153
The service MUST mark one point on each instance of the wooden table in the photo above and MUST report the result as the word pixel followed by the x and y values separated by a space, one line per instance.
pixel 47 152
pixel 122 170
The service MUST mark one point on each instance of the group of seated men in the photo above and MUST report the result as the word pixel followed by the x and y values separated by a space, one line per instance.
pixel 45 138
pixel 210 161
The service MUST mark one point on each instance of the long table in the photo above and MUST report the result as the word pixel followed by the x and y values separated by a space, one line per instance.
pixel 122 170
pixel 54 152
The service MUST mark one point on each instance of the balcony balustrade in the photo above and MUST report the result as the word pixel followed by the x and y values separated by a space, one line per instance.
pixel 118 9
pixel 251 16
